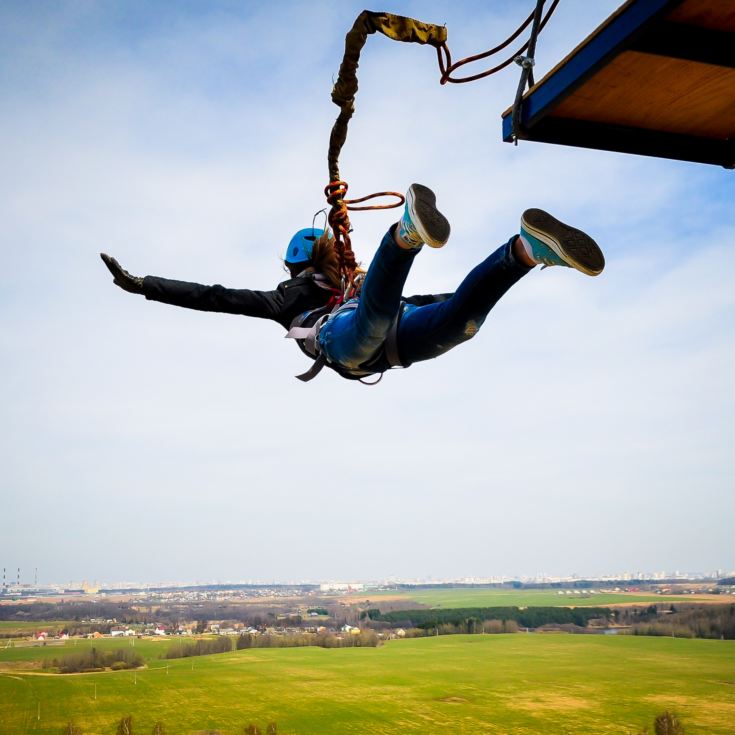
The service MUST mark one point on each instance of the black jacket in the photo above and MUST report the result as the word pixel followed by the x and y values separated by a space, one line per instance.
pixel 290 298
pixel 283 305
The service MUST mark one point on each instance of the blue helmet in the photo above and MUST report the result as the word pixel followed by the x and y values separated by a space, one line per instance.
pixel 300 247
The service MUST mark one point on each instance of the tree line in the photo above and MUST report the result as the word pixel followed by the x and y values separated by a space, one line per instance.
pixel 200 647
pixel 225 644
pixel 687 621
pixel 95 660
pixel 172 613
pixel 363 639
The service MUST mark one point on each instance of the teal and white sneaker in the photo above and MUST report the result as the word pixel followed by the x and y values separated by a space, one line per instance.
pixel 422 222
pixel 551 242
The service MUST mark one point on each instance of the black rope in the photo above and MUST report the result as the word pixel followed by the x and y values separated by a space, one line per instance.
pixel 527 63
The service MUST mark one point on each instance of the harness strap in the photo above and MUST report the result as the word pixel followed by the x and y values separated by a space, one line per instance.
pixel 322 281
pixel 314 370
pixel 390 346
pixel 299 332
pixel 308 340
pixel 309 335
pixel 319 280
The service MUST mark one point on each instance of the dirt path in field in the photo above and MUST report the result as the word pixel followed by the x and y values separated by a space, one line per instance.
pixel 28 672
pixel 699 599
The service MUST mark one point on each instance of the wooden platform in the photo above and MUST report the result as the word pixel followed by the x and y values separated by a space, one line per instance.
pixel 656 79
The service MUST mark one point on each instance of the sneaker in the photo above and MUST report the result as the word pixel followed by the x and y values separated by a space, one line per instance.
pixel 553 243
pixel 422 222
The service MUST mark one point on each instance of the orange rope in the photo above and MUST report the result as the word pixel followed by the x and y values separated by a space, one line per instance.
pixel 339 221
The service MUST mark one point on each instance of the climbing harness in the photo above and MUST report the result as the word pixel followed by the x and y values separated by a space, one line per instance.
pixel 305 330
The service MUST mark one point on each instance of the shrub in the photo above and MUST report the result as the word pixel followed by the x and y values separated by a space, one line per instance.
pixel 667 724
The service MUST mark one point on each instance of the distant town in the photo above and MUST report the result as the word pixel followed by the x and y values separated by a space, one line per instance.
pixel 248 609
pixel 16 585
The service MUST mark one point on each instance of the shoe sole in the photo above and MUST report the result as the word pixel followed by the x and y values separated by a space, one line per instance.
pixel 573 246
pixel 431 224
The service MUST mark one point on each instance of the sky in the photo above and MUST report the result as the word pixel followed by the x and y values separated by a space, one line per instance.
pixel 587 429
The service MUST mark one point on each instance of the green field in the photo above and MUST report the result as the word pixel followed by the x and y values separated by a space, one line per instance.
pixel 34 652
pixel 13 627
pixel 503 684
pixel 469 597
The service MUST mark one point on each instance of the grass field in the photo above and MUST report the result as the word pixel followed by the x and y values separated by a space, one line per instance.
pixel 34 653
pixel 468 597
pixel 502 684
pixel 12 627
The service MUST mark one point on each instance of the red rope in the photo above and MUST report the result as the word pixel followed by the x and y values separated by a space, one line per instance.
pixel 339 221
pixel 447 68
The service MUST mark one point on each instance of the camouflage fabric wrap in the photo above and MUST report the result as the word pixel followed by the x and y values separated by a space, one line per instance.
pixel 395 27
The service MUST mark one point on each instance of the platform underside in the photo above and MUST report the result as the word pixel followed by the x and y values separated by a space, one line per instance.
pixel 656 79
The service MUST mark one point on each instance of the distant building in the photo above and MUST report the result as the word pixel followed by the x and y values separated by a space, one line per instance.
pixel 117 632
pixel 341 587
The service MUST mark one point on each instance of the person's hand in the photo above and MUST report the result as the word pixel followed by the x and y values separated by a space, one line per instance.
pixel 131 284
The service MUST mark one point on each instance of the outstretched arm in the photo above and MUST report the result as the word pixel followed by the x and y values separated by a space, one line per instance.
pixel 264 304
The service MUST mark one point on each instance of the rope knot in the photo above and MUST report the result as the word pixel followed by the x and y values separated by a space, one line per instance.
pixel 339 221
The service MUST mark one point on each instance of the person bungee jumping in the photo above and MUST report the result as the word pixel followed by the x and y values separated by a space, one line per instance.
pixel 378 328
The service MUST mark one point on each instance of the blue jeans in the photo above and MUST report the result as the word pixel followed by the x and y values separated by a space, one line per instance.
pixel 354 337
